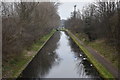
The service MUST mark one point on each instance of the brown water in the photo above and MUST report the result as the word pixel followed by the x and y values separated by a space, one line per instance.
pixel 60 58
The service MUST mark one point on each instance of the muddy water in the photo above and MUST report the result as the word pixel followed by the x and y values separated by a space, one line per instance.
pixel 60 58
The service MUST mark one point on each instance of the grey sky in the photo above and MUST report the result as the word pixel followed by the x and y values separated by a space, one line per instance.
pixel 66 8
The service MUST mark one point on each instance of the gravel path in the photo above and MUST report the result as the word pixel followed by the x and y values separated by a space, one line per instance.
pixel 107 64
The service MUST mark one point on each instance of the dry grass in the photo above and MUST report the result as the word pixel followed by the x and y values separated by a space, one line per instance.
pixel 14 65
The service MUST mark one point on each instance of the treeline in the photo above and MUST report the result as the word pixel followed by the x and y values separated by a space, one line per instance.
pixel 99 20
pixel 24 23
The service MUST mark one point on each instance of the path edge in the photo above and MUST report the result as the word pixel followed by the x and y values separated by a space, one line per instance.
pixel 89 55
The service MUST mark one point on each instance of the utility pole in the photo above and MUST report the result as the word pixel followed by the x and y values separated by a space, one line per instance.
pixel 74 11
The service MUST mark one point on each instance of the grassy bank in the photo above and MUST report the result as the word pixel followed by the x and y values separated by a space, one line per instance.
pixel 101 69
pixel 107 51
pixel 101 47
pixel 17 64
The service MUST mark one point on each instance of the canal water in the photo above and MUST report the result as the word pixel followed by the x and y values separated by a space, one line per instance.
pixel 60 58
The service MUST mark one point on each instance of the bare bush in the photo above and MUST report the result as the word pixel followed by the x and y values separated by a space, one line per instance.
pixel 99 20
pixel 24 23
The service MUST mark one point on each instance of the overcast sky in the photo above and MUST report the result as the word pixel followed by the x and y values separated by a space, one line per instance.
pixel 66 8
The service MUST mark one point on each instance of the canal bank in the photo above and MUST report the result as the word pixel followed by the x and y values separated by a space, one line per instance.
pixel 17 64
pixel 106 71
pixel 35 48
pixel 60 58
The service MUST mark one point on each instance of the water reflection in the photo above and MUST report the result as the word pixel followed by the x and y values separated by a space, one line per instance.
pixel 84 68
pixel 60 58
pixel 44 60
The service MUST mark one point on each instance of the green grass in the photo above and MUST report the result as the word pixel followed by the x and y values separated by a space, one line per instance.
pixel 107 51
pixel 101 69
pixel 36 46
pixel 17 64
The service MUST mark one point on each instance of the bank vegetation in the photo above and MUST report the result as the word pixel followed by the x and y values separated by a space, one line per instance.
pixel 23 24
pixel 98 25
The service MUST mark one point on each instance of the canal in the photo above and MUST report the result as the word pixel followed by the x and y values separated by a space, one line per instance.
pixel 60 58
